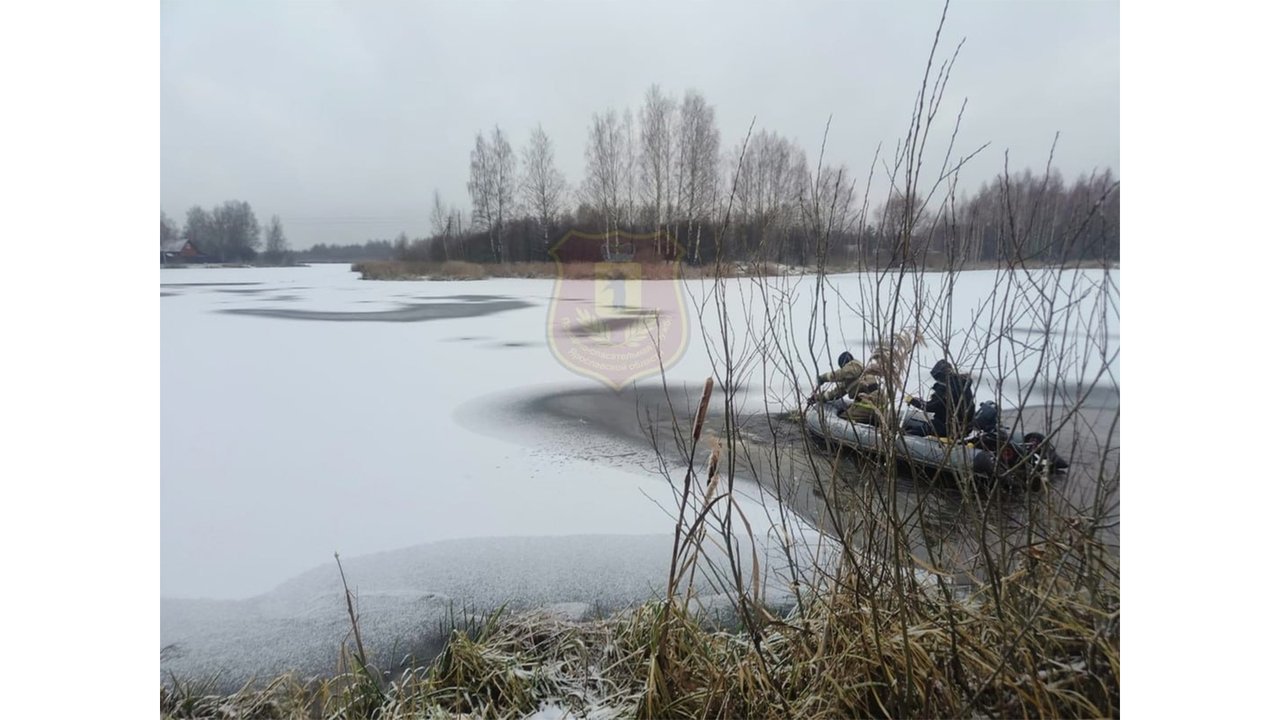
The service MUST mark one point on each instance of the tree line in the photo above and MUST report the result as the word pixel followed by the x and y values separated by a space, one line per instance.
pixel 353 252
pixel 663 168
pixel 229 233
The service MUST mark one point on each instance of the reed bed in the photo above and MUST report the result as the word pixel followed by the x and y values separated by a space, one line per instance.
pixel 1048 647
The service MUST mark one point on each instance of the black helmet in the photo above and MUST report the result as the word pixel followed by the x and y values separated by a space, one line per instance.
pixel 941 369
pixel 846 357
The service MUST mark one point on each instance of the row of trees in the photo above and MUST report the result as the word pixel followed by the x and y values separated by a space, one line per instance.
pixel 1040 217
pixel 663 173
pixel 662 168
pixel 228 233
pixel 355 252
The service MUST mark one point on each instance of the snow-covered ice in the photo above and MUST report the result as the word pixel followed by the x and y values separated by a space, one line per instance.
pixel 406 599
pixel 304 412
pixel 286 440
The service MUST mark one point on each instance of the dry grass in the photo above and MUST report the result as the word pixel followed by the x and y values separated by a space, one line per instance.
pixel 410 270
pixel 1045 649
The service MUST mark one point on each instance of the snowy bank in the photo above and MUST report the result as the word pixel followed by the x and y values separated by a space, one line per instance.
pixel 407 598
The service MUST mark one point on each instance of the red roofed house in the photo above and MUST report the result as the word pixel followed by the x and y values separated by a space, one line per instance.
pixel 181 251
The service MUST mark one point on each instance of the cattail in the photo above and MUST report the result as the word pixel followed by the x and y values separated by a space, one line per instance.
pixel 702 410
pixel 713 466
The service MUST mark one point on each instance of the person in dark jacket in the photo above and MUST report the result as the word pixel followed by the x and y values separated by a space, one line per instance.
pixel 951 403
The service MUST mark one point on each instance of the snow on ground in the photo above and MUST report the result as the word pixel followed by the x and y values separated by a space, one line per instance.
pixel 304 412
pixel 284 440
pixel 406 599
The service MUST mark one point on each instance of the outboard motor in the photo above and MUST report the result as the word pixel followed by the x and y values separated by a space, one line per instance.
pixel 1010 448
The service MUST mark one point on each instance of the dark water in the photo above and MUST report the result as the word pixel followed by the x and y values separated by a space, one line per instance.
pixel 444 307
pixel 206 284
pixel 464 298
pixel 946 522
pixel 415 312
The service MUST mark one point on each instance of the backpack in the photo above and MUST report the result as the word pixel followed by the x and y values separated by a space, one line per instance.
pixel 987 419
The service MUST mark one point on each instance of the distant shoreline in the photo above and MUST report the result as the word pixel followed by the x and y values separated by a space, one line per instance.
pixel 235 266
pixel 460 270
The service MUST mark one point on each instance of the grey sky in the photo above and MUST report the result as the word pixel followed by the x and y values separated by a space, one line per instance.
pixel 342 117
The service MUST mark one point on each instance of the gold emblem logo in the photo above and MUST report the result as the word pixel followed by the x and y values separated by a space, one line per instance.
pixel 617 312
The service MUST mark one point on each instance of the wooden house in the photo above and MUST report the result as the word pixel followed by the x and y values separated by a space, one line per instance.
pixel 181 251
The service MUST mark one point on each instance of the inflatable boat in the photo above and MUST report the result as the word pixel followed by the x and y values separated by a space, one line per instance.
pixel 995 453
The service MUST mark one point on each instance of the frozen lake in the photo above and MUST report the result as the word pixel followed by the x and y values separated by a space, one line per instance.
pixel 427 432
pixel 285 439
pixel 304 411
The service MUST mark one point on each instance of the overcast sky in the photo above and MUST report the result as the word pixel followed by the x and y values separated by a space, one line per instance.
pixel 343 117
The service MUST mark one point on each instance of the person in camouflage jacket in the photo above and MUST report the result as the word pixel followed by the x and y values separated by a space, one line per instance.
pixel 856 387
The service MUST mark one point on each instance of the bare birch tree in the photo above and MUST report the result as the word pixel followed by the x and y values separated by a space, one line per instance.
pixel 440 226
pixel 605 182
pixel 542 187
pixel 629 180
pixel 657 154
pixel 769 194
pixel 827 202
pixel 455 221
pixel 697 164
pixel 439 215
pixel 492 187
pixel 771 180
pixel 896 223
pixel 277 243
pixel 504 169
pixel 480 186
